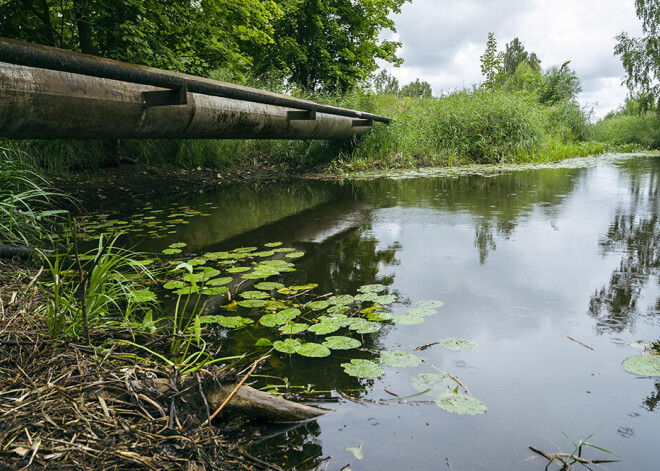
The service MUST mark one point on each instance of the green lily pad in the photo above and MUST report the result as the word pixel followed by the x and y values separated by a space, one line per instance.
pixel 219 281
pixel 380 316
pixel 273 244
pixel 408 320
pixel 174 284
pixel 367 329
pixel 461 404
pixel 366 297
pixel 171 251
pixel 292 328
pixel 263 343
pixel 295 255
pixel 434 384
pixel 313 350
pixel 318 305
pixel 421 311
pixel 237 269
pixel 287 346
pixel 143 296
pixel 385 299
pixel 341 343
pixel 254 295
pixel 177 245
pixel 250 303
pixel 341 300
pixel 230 322
pixel 185 290
pixel 284 249
pixel 197 261
pixel 279 318
pixel 265 253
pixel 268 285
pixel 363 369
pixel 643 365
pixel 243 250
pixel 214 290
pixel 324 328
pixel 399 359
pixel 337 309
pixel 374 288
pixel 430 303
pixel 457 344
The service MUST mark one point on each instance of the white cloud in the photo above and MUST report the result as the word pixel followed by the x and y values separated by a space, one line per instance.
pixel 442 40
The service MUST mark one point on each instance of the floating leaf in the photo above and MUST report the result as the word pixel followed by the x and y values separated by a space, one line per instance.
pixel 177 245
pixel 257 275
pixel 231 322
pixel 306 287
pixel 263 343
pixel 461 403
pixel 430 303
pixel 363 369
pixel 313 350
pixel 408 320
pixel 375 288
pixel 399 359
pixel 197 261
pixel 287 346
pixel 341 300
pixel 280 318
pixel 385 299
pixel 295 255
pixel 284 249
pixel 291 328
pixel 171 251
pixel 214 290
pixel 185 290
pixel 380 316
pixel 254 295
pixel 237 269
pixel 265 253
pixel 252 303
pixel 421 311
pixel 337 309
pixel 437 384
pixel 174 284
pixel 143 296
pixel 269 285
pixel 273 244
pixel 366 297
pixel 643 365
pixel 324 328
pixel 243 250
pixel 367 329
pixel 457 344
pixel 341 343
pixel 318 305
pixel 219 281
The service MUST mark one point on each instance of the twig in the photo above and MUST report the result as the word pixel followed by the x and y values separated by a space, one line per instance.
pixel 27 288
pixel 577 341
pixel 450 375
pixel 424 347
pixel 201 393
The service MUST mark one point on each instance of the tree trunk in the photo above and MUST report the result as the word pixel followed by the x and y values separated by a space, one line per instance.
pixel 84 27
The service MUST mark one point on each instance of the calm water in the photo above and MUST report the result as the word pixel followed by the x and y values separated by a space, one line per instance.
pixel 521 259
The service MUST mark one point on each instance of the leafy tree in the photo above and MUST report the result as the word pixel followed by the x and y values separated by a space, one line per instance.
pixel 524 79
pixel 386 84
pixel 491 64
pixel 329 45
pixel 559 84
pixel 417 89
pixel 515 54
pixel 641 56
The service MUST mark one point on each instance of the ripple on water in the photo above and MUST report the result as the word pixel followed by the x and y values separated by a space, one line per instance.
pixel 518 312
pixel 618 341
pixel 625 432
pixel 651 318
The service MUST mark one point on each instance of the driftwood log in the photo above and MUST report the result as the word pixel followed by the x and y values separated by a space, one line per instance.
pixel 254 404
pixel 17 250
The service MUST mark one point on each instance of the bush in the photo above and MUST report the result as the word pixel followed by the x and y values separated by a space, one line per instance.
pixel 619 129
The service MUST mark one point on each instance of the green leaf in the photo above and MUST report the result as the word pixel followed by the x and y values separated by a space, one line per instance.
pixel 214 290
pixel 231 322
pixel 284 249
pixel 273 244
pixel 421 311
pixel 363 369
pixel 291 328
pixel 318 305
pixel 438 384
pixel 341 300
pixel 263 343
pixel 265 253
pixel 177 245
pixel 269 286
pixel 375 288
pixel 219 281
pixel 366 297
pixel 341 343
pixel 237 269
pixel 643 365
pixel 251 303
pixel 280 318
pixel 295 255
pixel 171 251
pixel 174 284
pixel 385 299
pixel 287 346
pixel 408 320
pixel 185 290
pixel 380 316
pixel 243 250
pixel 324 328
pixel 254 295
pixel 430 303
pixel 457 344
pixel 143 296
pixel 313 350
pixel 461 404
pixel 399 359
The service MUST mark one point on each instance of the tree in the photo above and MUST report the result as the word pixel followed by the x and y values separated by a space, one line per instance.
pixel 329 45
pixel 641 56
pixel 491 64
pixel 386 84
pixel 515 54
pixel 559 84
pixel 417 89
pixel 524 79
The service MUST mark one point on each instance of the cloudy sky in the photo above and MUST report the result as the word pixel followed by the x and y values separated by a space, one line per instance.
pixel 443 39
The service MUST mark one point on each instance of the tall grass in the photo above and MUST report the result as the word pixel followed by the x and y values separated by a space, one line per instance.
pixel 621 129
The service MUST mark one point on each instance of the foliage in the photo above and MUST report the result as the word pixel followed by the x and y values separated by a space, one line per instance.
pixel 515 55
pixel 25 213
pixel 639 56
pixel 384 84
pixel 524 79
pixel 416 89
pixel 330 45
pixel 491 64
pixel 621 129
pixel 559 84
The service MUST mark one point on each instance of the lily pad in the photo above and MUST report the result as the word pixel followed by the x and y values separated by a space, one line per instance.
pixel 385 299
pixel 174 284
pixel 408 320
pixel 399 359
pixel 273 244
pixel 318 305
pixel 230 322
pixel 287 346
pixel 434 384
pixel 237 269
pixel 341 300
pixel 291 328
pixel 284 249
pixel 265 253
pixel 366 297
pixel 295 255
pixel 374 288
pixel 263 343
pixel 341 343
pixel 185 290
pixel 268 285
pixel 219 281
pixel 457 344
pixel 171 251
pixel 214 290
pixel 250 303
pixel 337 309
pixel 243 250
pixel 431 303
pixel 643 365
pixel 461 404
pixel 421 311
pixel 323 328
pixel 380 316
pixel 254 295
pixel 313 350
pixel 143 296
pixel 279 318
pixel 176 245
pixel 363 369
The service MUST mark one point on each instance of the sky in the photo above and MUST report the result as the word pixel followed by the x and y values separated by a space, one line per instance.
pixel 442 41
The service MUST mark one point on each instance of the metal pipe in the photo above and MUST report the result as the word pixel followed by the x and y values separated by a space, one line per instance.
pixel 38 103
pixel 35 55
